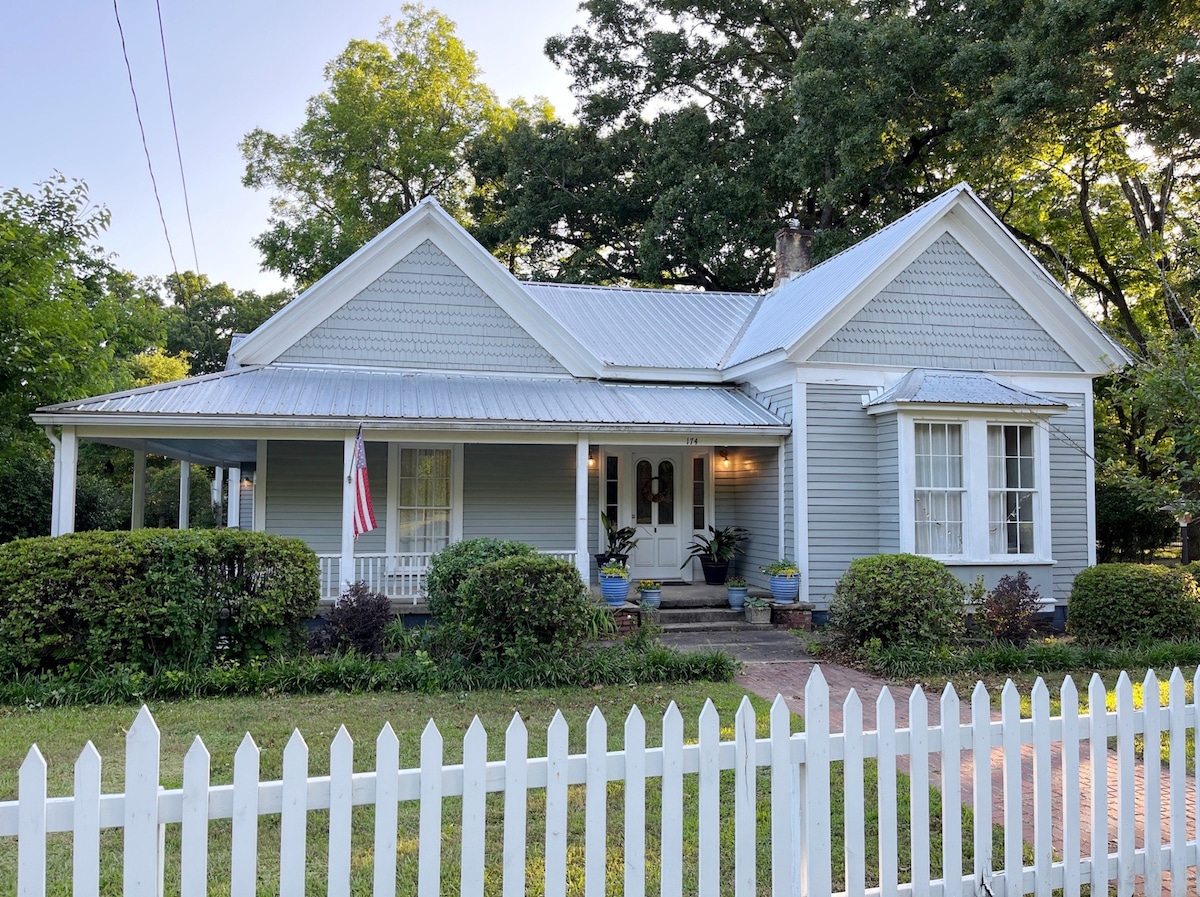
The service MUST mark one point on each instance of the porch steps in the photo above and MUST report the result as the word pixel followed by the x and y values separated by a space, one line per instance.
pixel 700 608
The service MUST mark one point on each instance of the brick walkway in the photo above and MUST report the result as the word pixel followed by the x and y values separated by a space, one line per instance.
pixel 789 678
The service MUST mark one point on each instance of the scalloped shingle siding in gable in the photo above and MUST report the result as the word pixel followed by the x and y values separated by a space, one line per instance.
pixel 424 313
pixel 945 311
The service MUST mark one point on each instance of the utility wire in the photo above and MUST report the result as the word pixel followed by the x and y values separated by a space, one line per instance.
pixel 145 147
pixel 175 128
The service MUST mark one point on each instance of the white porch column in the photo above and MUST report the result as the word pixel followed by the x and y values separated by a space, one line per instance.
pixel 66 455
pixel 780 465
pixel 582 563
pixel 218 486
pixel 346 570
pixel 260 487
pixel 233 504
pixel 185 485
pixel 137 517
pixel 56 492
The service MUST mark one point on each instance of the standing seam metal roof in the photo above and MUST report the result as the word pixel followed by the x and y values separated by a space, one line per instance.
pixel 284 391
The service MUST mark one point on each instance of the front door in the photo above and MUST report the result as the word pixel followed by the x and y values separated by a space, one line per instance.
pixel 656 513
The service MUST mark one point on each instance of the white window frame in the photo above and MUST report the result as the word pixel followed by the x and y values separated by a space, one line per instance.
pixel 393 491
pixel 976 541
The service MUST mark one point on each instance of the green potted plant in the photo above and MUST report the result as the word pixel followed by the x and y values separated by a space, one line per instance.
pixel 614 584
pixel 736 590
pixel 620 540
pixel 716 551
pixel 785 580
pixel 651 593
pixel 758 610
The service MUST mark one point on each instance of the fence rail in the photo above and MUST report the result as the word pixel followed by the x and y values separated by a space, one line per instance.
pixel 394 575
pixel 1039 760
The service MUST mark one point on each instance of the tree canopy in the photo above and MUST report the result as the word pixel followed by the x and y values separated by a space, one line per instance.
pixel 391 128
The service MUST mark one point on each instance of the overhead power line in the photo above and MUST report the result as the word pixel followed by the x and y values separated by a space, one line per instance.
pixel 145 146
pixel 175 128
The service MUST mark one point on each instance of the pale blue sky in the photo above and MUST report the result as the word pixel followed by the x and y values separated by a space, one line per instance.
pixel 234 66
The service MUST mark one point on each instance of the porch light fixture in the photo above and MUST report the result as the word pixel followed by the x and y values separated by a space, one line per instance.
pixel 591 458
pixel 724 453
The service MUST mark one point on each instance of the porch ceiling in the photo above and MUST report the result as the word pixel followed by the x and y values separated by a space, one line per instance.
pixel 283 395
pixel 211 452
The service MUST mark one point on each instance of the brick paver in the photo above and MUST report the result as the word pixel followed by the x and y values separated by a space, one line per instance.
pixel 789 679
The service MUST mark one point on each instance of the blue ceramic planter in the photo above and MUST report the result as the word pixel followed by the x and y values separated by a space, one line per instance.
pixel 615 589
pixel 651 598
pixel 784 589
pixel 737 596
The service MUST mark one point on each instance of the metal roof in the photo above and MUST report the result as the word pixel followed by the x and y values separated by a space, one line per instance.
pixel 628 327
pixel 935 387
pixel 801 302
pixel 278 393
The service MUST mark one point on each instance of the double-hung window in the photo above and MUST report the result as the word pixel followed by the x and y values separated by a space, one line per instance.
pixel 938 496
pixel 424 502
pixel 1011 489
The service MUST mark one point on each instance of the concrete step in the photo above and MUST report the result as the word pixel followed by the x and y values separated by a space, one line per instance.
pixel 713 616
pixel 688 598
pixel 742 626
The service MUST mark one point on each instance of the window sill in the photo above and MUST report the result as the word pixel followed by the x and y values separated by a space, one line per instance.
pixel 1012 560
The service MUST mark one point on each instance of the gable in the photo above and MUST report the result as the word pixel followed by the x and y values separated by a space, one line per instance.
pixel 944 310
pixel 423 312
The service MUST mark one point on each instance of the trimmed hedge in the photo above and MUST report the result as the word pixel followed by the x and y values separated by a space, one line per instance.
pixel 454 563
pixel 152 599
pixel 897 599
pixel 1112 604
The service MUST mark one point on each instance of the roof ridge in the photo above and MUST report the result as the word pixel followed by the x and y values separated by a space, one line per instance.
pixel 666 291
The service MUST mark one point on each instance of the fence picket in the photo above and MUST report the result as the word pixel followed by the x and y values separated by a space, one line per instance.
pixel 816 785
pixel 293 818
pixel 745 813
pixel 1177 773
pixel 671 843
pixel 429 826
pixel 889 837
pixel 243 876
pixel 85 848
pixel 1069 700
pixel 193 836
pixel 855 796
pixel 474 812
pixel 557 751
pixel 516 805
pixel 1152 782
pixel 709 788
pixel 634 848
pixel 387 795
pixel 596 806
pixel 951 767
pixel 341 782
pixel 1043 845
pixel 1098 764
pixel 981 792
pixel 918 796
pixel 141 862
pixel 1010 739
pixel 782 871
pixel 1125 787
pixel 31 843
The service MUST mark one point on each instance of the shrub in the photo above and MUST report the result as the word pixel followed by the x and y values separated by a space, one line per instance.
pixel 358 622
pixel 899 599
pixel 152 598
pixel 1115 603
pixel 1126 530
pixel 1009 612
pixel 454 563
pixel 524 606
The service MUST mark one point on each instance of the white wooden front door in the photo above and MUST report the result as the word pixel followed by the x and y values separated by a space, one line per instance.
pixel 658 502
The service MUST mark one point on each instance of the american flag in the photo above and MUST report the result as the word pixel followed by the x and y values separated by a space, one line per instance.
pixel 364 514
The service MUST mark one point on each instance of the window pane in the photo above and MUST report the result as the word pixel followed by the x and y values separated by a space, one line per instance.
pixel 666 492
pixel 644 473
pixel 1011 476
pixel 698 493
pixel 610 487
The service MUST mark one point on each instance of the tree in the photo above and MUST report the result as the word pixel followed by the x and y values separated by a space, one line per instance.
pixel 202 318
pixel 390 130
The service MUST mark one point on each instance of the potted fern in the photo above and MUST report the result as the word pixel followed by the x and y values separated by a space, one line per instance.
pixel 621 541
pixel 717 551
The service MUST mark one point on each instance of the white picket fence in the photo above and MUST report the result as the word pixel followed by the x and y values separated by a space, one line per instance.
pixel 797 764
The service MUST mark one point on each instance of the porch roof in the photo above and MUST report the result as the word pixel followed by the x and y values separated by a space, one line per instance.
pixel 937 387
pixel 290 395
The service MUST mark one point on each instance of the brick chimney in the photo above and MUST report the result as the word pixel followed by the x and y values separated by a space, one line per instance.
pixel 793 251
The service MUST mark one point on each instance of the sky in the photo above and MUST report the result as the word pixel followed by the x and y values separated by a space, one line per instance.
pixel 234 66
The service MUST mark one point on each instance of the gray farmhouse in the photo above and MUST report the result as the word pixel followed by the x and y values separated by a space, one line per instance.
pixel 927 390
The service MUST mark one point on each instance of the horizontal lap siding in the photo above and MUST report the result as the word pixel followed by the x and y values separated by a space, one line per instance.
pixel 781 402
pixel 304 493
pixel 522 492
pixel 755 478
pixel 887 433
pixel 1068 493
pixel 843 485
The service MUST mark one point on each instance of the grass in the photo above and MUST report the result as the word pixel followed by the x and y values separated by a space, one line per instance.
pixel 62 732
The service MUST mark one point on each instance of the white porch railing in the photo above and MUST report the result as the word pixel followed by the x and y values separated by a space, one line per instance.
pixel 1047 764
pixel 400 576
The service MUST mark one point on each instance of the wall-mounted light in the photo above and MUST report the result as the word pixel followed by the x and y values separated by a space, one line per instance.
pixel 591 458
pixel 724 453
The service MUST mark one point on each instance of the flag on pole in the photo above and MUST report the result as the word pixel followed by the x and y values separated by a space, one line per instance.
pixel 364 514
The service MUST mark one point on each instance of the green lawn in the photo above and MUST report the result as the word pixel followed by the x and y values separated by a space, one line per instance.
pixel 61 733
